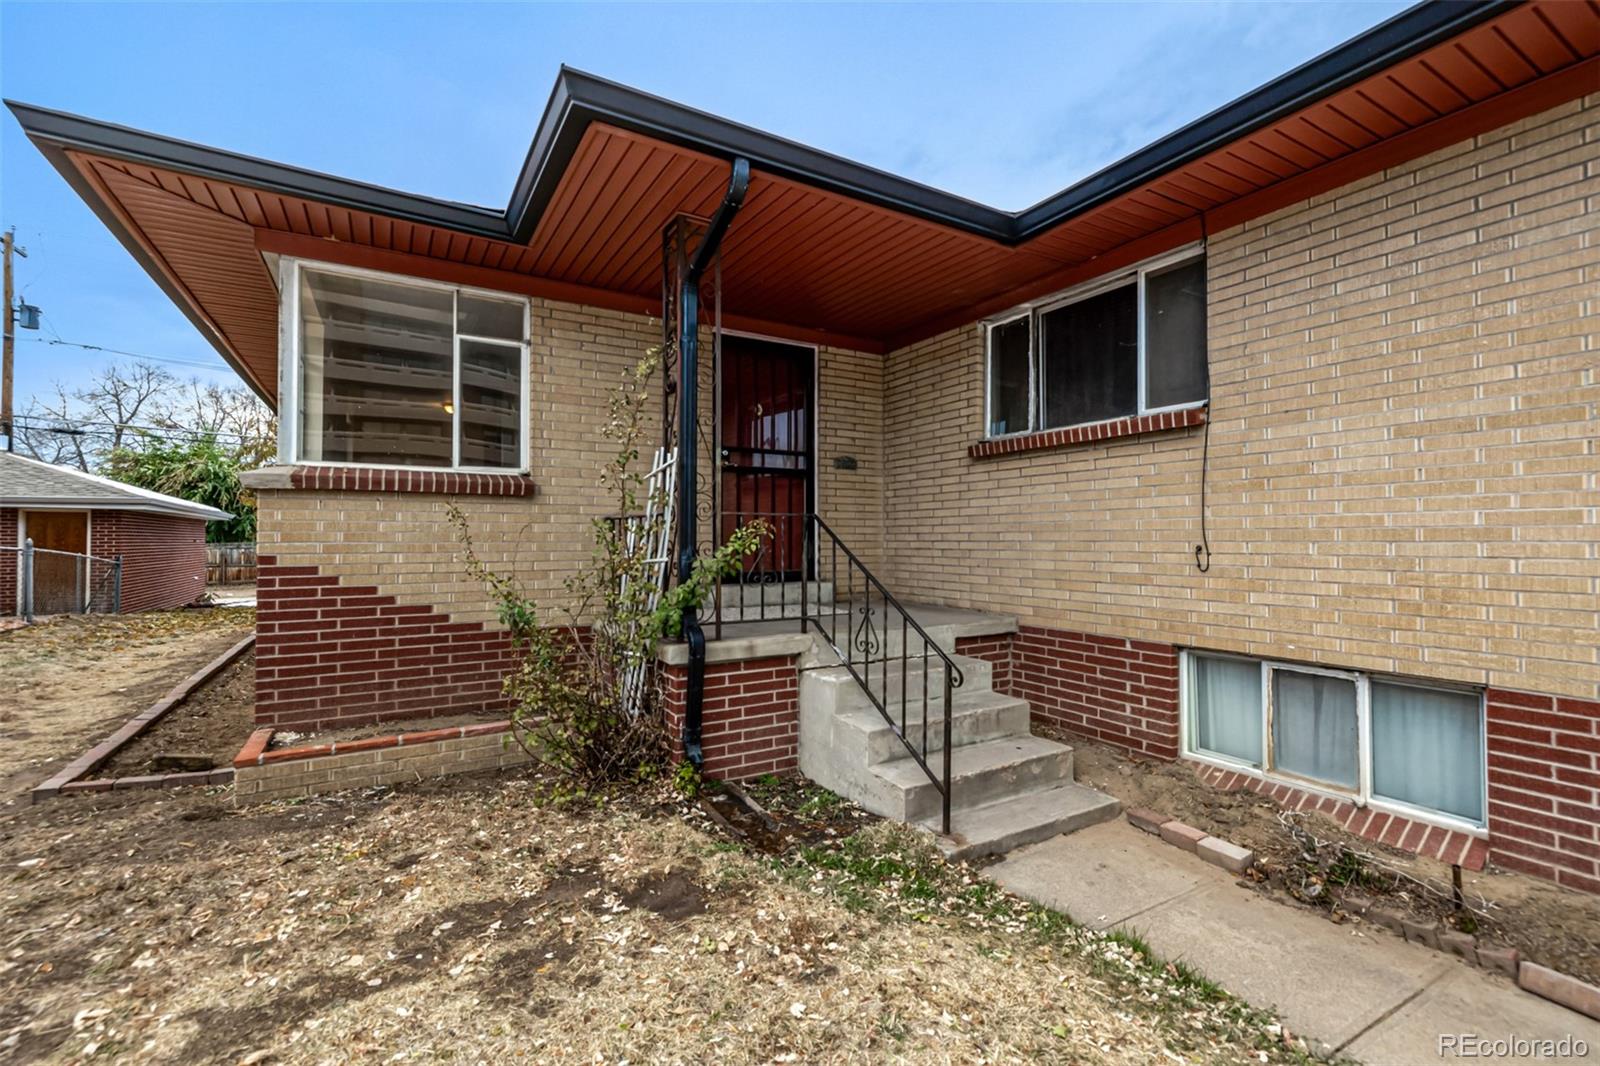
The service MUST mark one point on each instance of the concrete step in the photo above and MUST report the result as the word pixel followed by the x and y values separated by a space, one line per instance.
pixel 979 774
pixel 999 827
pixel 773 593
pixel 832 689
pixel 864 735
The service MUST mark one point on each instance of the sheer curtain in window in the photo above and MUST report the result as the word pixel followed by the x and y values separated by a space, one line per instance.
pixel 1315 731
pixel 1226 698
pixel 1427 748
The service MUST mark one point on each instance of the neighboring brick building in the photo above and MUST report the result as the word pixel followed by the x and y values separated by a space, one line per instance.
pixel 1277 439
pixel 160 540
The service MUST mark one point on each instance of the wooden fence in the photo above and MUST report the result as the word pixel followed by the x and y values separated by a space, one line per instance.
pixel 230 564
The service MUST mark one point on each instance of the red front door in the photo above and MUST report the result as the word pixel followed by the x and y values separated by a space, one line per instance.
pixel 767 430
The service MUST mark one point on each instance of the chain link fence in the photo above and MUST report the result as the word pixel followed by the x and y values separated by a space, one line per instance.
pixel 57 582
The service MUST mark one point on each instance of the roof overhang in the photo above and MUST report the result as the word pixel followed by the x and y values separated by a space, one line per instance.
pixel 826 249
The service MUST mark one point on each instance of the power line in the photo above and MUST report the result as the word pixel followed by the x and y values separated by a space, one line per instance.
pixel 54 425
pixel 118 351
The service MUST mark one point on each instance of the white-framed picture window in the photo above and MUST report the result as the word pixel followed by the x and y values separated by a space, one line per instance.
pixel 391 371
pixel 1130 343
pixel 1410 747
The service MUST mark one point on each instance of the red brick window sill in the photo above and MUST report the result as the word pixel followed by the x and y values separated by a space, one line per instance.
pixel 377 479
pixel 1094 431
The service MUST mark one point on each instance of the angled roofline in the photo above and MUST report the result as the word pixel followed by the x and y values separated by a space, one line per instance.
pixel 579 99
pixel 137 499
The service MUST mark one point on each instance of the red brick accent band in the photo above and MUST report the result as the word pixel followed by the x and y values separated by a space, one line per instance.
pixel 255 753
pixel 1094 431
pixel 1446 845
pixel 750 721
pixel 379 479
pixel 332 655
pixel 1123 692
pixel 1544 786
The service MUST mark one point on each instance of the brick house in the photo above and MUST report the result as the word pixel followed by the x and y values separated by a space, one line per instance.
pixel 1271 446
pixel 161 541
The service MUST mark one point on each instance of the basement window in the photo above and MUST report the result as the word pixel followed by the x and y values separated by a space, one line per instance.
pixel 398 372
pixel 1394 744
pixel 1129 344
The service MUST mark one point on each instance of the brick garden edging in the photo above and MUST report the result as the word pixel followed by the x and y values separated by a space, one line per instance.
pixel 73 777
pixel 1542 981
pixel 261 775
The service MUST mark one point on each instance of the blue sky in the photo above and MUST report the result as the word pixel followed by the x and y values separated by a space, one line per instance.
pixel 1005 104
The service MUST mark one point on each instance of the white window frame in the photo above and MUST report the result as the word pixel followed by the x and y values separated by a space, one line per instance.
pixel 988 373
pixel 290 370
pixel 1363 796
pixel 1035 312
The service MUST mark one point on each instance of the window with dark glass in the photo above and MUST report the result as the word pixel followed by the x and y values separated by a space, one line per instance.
pixel 1010 357
pixel 1175 335
pixel 1091 358
pixel 408 375
pixel 1130 349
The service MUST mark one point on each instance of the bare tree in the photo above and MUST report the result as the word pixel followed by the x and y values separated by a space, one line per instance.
pixel 234 415
pixel 124 405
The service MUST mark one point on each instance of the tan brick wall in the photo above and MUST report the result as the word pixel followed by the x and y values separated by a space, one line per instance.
pixel 402 543
pixel 317 775
pixel 1403 464
pixel 850 423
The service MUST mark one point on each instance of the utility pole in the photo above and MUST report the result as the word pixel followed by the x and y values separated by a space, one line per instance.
pixel 8 239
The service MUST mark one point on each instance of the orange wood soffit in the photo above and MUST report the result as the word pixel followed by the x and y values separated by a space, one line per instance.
pixel 1539 95
pixel 368 258
pixel 219 337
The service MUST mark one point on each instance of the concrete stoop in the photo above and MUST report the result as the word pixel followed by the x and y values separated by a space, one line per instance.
pixel 1008 787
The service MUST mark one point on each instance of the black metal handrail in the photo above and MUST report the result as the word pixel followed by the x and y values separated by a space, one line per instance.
pixel 849 622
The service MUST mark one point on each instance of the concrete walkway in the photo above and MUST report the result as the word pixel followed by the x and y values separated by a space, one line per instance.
pixel 1360 992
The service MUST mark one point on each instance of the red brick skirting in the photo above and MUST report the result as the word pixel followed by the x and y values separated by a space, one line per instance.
pixel 1095 431
pixel 74 776
pixel 378 479
pixel 333 655
pixel 1420 838
pixel 1544 786
pixel 750 721
pixel 996 650
pixel 1123 692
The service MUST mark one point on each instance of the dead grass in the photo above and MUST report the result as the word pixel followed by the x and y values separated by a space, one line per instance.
pixel 463 921
pixel 70 681
pixel 468 920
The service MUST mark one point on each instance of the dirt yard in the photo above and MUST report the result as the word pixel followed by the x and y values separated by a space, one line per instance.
pixel 212 723
pixel 71 681
pixel 467 920
pixel 1548 924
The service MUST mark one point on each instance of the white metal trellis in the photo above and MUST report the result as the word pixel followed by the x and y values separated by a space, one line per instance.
pixel 656 524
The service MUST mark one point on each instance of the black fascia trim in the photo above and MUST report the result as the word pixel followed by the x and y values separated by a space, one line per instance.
pixel 45 126
pixel 579 99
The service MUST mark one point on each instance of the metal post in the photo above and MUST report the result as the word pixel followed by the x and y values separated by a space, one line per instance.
pixel 8 240
pixel 116 585
pixel 947 700
pixel 27 580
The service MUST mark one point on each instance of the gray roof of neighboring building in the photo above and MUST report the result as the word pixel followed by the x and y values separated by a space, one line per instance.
pixel 28 482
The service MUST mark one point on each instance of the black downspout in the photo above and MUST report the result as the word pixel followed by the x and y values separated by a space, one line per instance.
pixel 688 414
